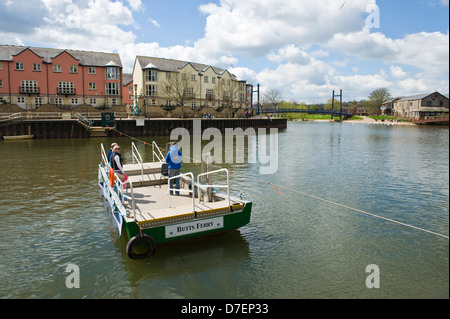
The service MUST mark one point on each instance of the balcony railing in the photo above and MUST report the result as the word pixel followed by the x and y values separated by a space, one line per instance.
pixel 66 91
pixel 28 90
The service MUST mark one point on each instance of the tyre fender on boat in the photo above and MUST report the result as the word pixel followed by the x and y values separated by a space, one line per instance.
pixel 144 239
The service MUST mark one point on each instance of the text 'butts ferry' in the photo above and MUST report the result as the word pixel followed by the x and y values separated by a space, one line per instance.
pixel 150 215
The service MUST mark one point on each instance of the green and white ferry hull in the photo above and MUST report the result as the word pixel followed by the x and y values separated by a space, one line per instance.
pixel 149 216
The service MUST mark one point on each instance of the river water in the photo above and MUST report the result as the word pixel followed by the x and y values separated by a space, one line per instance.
pixel 53 215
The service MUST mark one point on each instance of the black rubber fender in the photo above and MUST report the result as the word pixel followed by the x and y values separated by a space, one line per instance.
pixel 144 238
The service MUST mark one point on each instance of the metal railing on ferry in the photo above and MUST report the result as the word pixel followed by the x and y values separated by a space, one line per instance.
pixel 227 186
pixel 157 152
pixel 137 156
pixel 119 185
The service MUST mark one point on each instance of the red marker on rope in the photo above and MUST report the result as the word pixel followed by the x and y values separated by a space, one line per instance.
pixel 275 188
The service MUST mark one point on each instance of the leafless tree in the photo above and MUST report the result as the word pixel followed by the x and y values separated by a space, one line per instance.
pixel 180 87
pixel 273 98
pixel 228 93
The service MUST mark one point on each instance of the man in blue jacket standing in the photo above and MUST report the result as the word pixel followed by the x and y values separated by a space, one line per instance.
pixel 173 158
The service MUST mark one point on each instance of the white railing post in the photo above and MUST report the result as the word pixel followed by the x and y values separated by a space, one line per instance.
pixel 159 154
pixel 138 157
pixel 227 186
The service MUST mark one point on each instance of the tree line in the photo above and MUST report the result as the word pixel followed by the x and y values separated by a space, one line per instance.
pixel 272 99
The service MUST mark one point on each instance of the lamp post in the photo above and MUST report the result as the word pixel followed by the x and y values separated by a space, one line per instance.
pixel 136 109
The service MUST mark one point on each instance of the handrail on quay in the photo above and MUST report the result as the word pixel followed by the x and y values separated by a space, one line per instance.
pixel 88 116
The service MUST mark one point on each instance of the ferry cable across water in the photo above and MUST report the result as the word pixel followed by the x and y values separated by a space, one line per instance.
pixel 315 197
pixel 356 210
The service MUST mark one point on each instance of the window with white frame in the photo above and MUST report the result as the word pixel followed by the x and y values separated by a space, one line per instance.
pixel 74 101
pixel 92 86
pixel 37 101
pixel 93 102
pixel 112 73
pixel 66 88
pixel 19 66
pixel 206 79
pixel 189 92
pixel 151 75
pixel 91 70
pixel 28 86
pixel 151 89
pixel 73 69
pixel 57 68
pixel 36 67
pixel 58 101
pixel 112 89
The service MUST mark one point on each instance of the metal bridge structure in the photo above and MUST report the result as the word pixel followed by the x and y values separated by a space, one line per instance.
pixel 311 111
pixel 333 112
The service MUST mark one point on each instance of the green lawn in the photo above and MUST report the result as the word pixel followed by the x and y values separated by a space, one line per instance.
pixel 305 116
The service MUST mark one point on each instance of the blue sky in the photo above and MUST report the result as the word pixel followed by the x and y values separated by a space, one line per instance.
pixel 303 48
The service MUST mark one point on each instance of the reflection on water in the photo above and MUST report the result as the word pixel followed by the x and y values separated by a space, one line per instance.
pixel 52 214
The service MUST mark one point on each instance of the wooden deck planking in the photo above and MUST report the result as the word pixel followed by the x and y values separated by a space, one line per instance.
pixel 152 206
pixel 150 165
pixel 148 179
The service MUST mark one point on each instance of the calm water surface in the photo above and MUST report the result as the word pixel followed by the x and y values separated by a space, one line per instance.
pixel 52 214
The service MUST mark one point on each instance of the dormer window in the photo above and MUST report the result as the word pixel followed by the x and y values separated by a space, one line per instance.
pixel 151 75
pixel 112 73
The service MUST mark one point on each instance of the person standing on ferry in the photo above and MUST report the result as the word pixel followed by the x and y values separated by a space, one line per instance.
pixel 173 158
pixel 108 156
pixel 116 163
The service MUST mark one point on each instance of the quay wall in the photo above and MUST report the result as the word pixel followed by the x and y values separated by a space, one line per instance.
pixel 46 129
pixel 163 127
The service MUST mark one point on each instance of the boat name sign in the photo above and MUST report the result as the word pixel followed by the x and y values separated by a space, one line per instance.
pixel 194 227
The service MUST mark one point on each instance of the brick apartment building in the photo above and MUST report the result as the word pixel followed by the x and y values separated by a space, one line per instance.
pixel 31 77
pixel 170 83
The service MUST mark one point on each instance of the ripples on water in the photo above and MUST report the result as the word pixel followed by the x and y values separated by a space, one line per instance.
pixel 52 214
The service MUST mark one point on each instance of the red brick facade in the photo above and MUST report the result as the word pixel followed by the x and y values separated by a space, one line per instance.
pixel 31 77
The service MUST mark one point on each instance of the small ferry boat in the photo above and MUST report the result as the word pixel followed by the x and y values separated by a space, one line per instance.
pixel 144 209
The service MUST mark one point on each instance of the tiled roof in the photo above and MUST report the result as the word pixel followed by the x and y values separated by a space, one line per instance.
pixel 171 65
pixel 415 97
pixel 127 78
pixel 88 58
